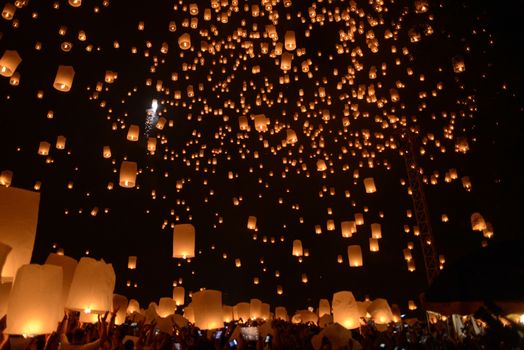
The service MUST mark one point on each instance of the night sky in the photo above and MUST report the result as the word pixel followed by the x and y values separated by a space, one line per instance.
pixel 202 144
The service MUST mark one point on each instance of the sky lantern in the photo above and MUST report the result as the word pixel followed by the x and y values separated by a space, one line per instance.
pixel 458 64
pixel 8 12
pixel 92 287
pixel 106 152
pixel 34 301
pixel 166 307
pixel 281 313
pixel 151 144
pixel 289 40
pixel 6 178
pixel 131 262
pixel 324 308
pixel 376 231
pixel 179 295
pixel 255 309
pixel 60 142
pixel 348 228
pixel 477 222
pixel 120 303
pixel 18 220
pixel 297 248
pixel 68 266
pixel 291 136
pixel 161 123
pixel 355 256
pixel 184 41
pixel 128 171
pixel 43 148
pixel 184 241
pixel 242 311
pixel 369 184
pixel 252 223
pixel 75 3
pixel 9 62
pixel 133 306
pixel 380 311
pixel 412 305
pixel 133 132
pixel 345 310
pixel 64 78
pixel 373 245
pixel 207 306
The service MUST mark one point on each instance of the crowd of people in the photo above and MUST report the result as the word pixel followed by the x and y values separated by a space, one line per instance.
pixel 71 334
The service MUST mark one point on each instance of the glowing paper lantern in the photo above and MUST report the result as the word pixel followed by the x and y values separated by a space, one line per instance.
pixel 373 245
pixel 60 142
pixel 261 123
pixel 133 132
pixel 227 313
pixel 75 3
pixel 458 64
pixel 68 266
pixel 43 148
pixel 255 309
pixel 128 172
pixel 9 62
pixel 133 306
pixel 376 231
pixel 265 312
pixel 281 313
pixel 184 41
pixel 8 12
pixel 4 252
pixel 477 222
pixel 291 136
pixel 207 306
pixel 34 301
pixel 5 289
pixel 131 262
pixel 411 305
pixel 252 223
pixel 359 219
pixel 92 287
pixel 321 165
pixel 345 310
pixel 18 220
pixel 184 241
pixel 355 256
pixel 151 144
pixel 64 78
pixel 380 311
pixel 120 303
pixel 304 316
pixel 242 311
pixel 6 177
pixel 289 40
pixel 369 184
pixel 297 248
pixel 161 123
pixel 324 308
pixel 179 295
pixel 348 228
pixel 106 152
pixel 166 307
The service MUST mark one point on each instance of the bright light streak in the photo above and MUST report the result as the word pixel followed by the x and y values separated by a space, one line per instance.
pixel 154 106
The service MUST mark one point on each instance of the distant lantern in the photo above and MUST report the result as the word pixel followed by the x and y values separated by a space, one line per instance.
pixel 106 152
pixel 133 132
pixel 289 40
pixel 151 144
pixel 238 263
pixel 297 248
pixel 64 78
pixel 324 308
pixel 355 256
pixel 6 177
pixel 34 301
pixel 75 3
pixel 340 259
pixel 15 79
pixel 411 305
pixel 161 123
pixel 380 311
pixel 128 171
pixel 18 221
pixel 252 223
pixel 8 11
pixel 255 309
pixel 184 241
pixel 261 122
pixel 373 245
pixel 166 307
pixel 92 287
pixel 60 142
pixel 347 228
pixel 43 148
pixel 172 26
pixel 184 41
pixel 376 231
pixel 131 262
pixel 321 165
pixel 359 219
pixel 285 61
pixel 120 303
pixel 9 62
pixel 407 254
pixel 330 225
pixel 369 184
pixel 193 9
pixel 243 123
pixel 345 310
pixel 280 290
pixel 207 305
pixel 179 295
pixel 458 64
pixel 291 136
pixel 477 222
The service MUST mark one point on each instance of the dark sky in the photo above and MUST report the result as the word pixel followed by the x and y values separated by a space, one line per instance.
pixel 481 105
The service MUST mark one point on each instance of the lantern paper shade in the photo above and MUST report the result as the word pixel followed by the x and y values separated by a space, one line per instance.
pixel 5 289
pixel 265 311
pixel 133 132
pixel 184 41
pixel 348 228
pixel 355 256
pixel 369 184
pixel 133 306
pixel 43 148
pixel 9 62
pixel 92 287
pixel 227 313
pixel 120 306
pixel 289 40
pixel 68 266
pixel 376 231
pixel 184 241
pixel 373 245
pixel 242 311
pixel 252 223
pixel 128 172
pixel 345 310
pixel 324 308
pixel 34 301
pixel 477 222
pixel 281 313
pixel 189 313
pixel 380 311
pixel 255 309
pixel 304 316
pixel 131 262
pixel 64 78
pixel 297 248
pixel 6 177
pixel 18 220
pixel 166 307
pixel 207 306
pixel 178 295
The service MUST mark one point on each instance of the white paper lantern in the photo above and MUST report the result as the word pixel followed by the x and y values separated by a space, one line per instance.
pixel 92 287
pixel 380 311
pixel 297 248
pixel 133 306
pixel 34 301
pixel 207 306
pixel 345 310
pixel 9 62
pixel 227 313
pixel 64 78
pixel 5 289
pixel 68 266
pixel 324 308
pixel 128 172
pixel 179 295
pixel 281 313
pixel 255 309
pixel 241 311
pixel 184 241
pixel 355 256
pixel 120 303
pixel 166 307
